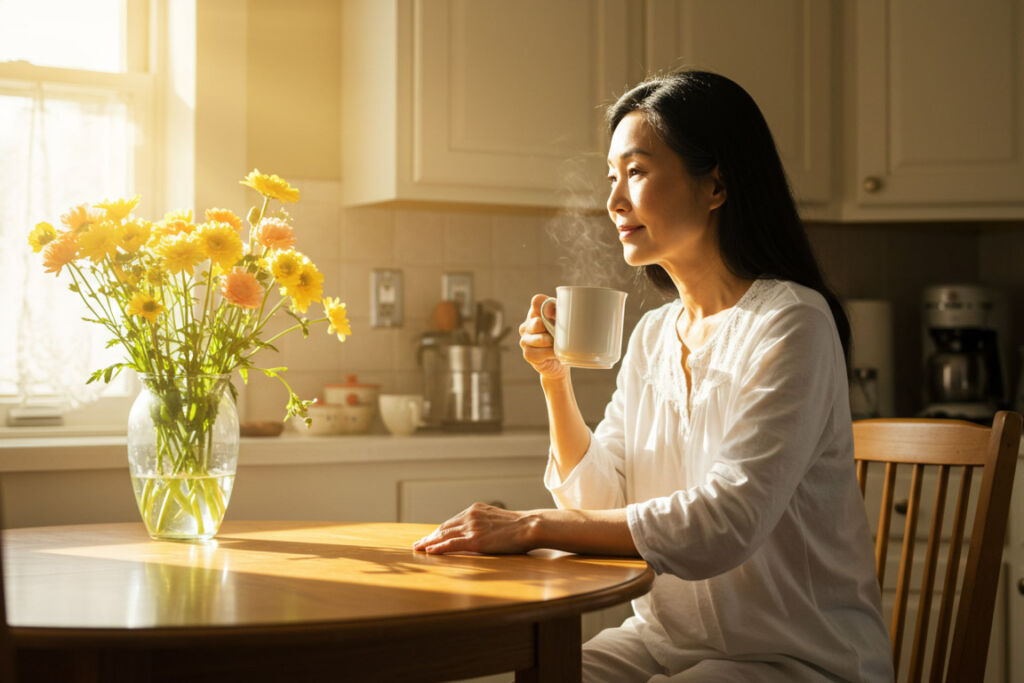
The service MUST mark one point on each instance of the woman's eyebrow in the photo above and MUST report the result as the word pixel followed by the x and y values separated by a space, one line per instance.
pixel 632 151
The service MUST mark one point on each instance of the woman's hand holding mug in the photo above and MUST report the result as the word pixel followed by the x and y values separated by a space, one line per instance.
pixel 538 344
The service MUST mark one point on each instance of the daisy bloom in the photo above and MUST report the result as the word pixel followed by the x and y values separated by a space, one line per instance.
pixel 224 216
pixel 308 288
pixel 241 289
pixel 274 233
pixel 179 215
pixel 99 241
pixel 60 252
pixel 221 243
pixel 286 266
pixel 133 234
pixel 41 235
pixel 172 227
pixel 180 252
pixel 337 315
pixel 118 208
pixel 146 306
pixel 81 217
pixel 271 186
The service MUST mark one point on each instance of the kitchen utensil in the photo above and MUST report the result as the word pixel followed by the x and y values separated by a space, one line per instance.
pixel 493 314
pixel 588 325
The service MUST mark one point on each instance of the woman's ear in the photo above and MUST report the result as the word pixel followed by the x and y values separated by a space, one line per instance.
pixel 715 189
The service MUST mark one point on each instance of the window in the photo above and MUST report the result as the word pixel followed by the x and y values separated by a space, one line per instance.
pixel 76 110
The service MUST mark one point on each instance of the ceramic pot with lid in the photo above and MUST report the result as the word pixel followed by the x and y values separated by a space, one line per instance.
pixel 351 393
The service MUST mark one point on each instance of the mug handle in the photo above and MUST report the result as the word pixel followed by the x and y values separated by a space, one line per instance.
pixel 544 319
pixel 416 414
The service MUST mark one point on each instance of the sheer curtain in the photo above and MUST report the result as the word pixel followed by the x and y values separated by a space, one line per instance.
pixel 60 147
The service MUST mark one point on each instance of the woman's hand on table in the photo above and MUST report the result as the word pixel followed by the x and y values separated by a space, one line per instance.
pixel 482 528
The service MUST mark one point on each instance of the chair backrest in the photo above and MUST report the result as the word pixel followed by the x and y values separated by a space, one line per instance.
pixel 938 449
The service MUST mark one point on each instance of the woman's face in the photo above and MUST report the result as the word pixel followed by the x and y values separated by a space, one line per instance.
pixel 663 214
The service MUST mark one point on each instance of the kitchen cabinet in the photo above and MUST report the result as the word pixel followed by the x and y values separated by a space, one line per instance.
pixel 479 101
pixel 939 109
pixel 780 52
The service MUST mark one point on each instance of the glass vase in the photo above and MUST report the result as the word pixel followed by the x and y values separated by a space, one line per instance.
pixel 182 454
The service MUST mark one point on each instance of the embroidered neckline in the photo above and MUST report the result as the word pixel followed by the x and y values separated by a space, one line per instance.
pixel 667 352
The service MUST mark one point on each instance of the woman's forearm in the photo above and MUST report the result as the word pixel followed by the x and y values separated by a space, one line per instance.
pixel 596 532
pixel 570 437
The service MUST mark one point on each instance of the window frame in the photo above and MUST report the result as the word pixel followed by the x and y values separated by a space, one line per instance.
pixel 137 84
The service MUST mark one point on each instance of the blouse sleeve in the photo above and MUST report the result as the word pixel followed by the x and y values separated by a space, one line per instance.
pixel 598 482
pixel 778 416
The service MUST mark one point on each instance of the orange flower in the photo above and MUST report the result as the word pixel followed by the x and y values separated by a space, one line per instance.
pixel 274 233
pixel 241 289
pixel 81 217
pixel 60 252
pixel 224 216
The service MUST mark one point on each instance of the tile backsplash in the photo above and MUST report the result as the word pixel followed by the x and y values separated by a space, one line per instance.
pixel 514 254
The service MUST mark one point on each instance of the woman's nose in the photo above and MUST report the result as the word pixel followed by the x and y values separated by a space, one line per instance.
pixel 618 200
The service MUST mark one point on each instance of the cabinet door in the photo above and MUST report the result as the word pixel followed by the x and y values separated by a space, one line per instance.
pixel 940 103
pixel 507 97
pixel 779 51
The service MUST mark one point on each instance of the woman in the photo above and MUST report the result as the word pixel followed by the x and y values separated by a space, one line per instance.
pixel 725 457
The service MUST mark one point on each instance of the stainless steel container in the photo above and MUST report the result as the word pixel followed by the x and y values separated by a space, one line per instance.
pixel 473 398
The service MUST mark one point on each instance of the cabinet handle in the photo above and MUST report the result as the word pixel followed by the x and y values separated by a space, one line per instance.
pixel 1020 586
pixel 498 504
pixel 872 184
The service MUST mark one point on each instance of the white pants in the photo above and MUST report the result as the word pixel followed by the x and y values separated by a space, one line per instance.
pixel 618 655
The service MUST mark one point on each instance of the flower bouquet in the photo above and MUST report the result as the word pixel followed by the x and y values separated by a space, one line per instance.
pixel 189 303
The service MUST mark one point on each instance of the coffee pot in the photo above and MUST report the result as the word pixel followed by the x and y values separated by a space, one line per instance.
pixel 964 364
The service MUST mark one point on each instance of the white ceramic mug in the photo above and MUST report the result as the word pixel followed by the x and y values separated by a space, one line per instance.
pixel 401 413
pixel 588 325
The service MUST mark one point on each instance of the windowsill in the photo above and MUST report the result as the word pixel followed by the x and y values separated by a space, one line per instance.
pixel 76 448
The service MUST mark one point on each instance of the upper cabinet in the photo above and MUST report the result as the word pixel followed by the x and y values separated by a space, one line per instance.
pixel 482 101
pixel 779 51
pixel 938 109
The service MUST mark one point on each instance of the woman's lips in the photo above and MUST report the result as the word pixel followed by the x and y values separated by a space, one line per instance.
pixel 626 230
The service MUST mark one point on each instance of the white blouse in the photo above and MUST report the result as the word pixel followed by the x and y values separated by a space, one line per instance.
pixel 743 499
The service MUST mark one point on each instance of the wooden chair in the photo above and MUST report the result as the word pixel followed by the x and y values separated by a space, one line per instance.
pixel 944 447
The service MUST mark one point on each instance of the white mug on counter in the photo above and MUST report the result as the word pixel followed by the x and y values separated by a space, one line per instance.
pixel 588 325
pixel 402 413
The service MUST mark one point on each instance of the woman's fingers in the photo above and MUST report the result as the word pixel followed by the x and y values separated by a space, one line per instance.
pixel 480 528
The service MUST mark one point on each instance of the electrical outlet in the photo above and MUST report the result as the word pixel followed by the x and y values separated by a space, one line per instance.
pixel 458 287
pixel 385 298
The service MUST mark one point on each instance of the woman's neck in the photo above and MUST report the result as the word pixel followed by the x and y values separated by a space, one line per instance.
pixel 708 288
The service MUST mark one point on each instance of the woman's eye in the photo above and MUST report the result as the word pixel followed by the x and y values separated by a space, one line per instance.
pixel 612 179
pixel 633 172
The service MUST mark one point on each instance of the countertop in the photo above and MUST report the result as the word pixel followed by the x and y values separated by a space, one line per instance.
pixel 79 450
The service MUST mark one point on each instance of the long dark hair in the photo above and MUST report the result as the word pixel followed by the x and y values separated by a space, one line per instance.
pixel 709 121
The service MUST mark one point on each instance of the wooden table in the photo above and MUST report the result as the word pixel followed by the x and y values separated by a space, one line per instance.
pixel 296 601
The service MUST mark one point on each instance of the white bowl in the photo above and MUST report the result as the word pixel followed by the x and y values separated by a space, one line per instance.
pixel 326 420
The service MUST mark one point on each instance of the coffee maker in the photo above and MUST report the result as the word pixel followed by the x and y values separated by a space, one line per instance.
pixel 965 329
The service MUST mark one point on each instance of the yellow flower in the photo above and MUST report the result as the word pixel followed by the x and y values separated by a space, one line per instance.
pixel 286 266
pixel 171 227
pixel 224 216
pixel 41 235
pixel 221 243
pixel 271 186
pixel 155 276
pixel 60 252
pixel 337 315
pixel 146 306
pixel 178 215
pixel 131 277
pixel 99 241
pixel 308 288
pixel 180 252
pixel 133 234
pixel 80 217
pixel 119 208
